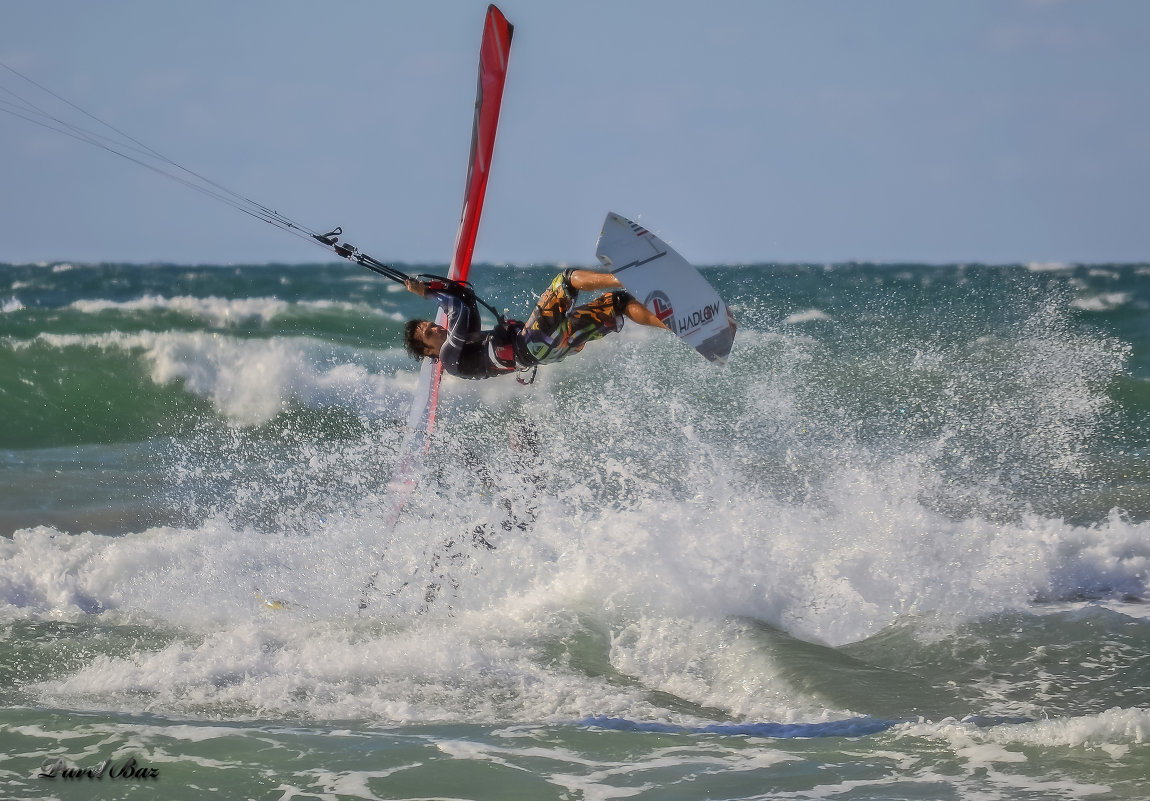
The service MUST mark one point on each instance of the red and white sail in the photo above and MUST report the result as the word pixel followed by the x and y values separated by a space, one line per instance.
pixel 493 52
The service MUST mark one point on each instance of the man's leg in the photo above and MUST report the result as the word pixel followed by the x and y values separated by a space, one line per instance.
pixel 547 328
pixel 554 329
pixel 634 310
pixel 604 315
pixel 591 280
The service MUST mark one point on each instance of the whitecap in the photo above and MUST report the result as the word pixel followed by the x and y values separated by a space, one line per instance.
pixel 806 317
pixel 1049 266
pixel 1107 301
pixel 221 312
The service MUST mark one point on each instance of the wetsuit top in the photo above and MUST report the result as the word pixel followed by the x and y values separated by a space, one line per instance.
pixel 469 351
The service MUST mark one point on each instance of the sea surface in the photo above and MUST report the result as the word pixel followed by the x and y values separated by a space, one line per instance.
pixel 898 548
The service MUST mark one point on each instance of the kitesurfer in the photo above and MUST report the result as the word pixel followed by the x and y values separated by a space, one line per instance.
pixel 555 328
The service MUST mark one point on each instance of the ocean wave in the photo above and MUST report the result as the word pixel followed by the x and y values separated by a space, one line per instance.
pixel 805 317
pixel 250 381
pixel 222 312
pixel 1114 731
pixel 869 522
pixel 1050 266
pixel 651 596
pixel 1107 301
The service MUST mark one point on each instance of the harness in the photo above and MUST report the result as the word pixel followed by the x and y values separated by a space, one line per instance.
pixel 499 343
pixel 504 356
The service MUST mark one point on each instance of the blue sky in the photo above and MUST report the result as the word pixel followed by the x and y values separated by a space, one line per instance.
pixel 778 130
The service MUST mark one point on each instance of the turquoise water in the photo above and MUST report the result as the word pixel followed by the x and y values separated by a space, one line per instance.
pixel 897 549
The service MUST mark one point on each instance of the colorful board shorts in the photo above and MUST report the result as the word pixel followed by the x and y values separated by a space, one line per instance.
pixel 557 327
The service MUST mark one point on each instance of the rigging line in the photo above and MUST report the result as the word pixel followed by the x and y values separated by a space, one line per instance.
pixel 121 149
pixel 266 212
pixel 38 116
pixel 21 103
pixel 148 155
pixel 68 102
pixel 255 210
pixel 80 134
pixel 101 142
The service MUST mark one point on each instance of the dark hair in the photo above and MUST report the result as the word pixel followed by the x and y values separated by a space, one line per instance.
pixel 413 347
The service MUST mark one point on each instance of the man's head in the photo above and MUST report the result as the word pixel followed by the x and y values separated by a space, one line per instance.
pixel 423 338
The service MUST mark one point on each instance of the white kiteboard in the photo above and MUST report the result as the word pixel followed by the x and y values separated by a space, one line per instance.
pixel 668 285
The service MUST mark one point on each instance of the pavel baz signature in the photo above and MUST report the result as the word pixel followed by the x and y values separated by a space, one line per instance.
pixel 124 769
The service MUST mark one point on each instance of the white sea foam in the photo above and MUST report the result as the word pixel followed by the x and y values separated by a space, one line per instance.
pixel 250 381
pixel 1114 727
pixel 806 317
pixel 1106 301
pixel 218 311
pixel 678 517
pixel 666 583
pixel 13 304
pixel 221 312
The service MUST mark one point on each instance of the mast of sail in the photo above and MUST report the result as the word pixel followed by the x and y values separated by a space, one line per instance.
pixel 493 52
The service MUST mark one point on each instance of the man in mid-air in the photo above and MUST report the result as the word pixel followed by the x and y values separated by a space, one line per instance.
pixel 555 328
